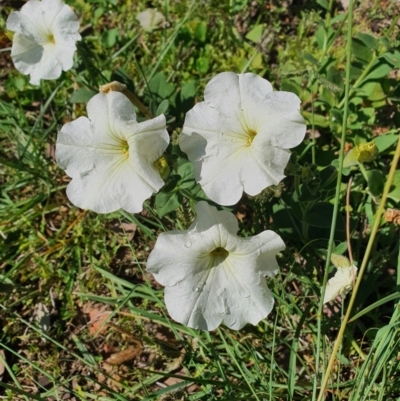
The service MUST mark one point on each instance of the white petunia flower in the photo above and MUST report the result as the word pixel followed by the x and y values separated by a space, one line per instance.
pixel 240 135
pixel 44 39
pixel 150 19
pixel 341 283
pixel 110 156
pixel 211 275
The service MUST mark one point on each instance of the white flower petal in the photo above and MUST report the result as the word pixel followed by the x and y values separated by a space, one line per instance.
pixel 44 39
pixel 49 66
pixel 110 156
pixel 45 11
pixel 116 185
pixel 278 120
pixel 211 216
pixel 229 92
pixel 109 113
pixel 20 23
pixel 271 243
pixel 239 136
pixel 235 296
pixel 263 168
pixel 65 26
pixel 212 276
pixel 341 283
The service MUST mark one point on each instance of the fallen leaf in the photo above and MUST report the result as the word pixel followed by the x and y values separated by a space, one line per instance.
pixel 2 367
pixel 98 319
pixel 123 356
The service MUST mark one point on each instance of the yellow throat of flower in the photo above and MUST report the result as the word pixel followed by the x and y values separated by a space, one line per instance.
pixel 251 134
pixel 218 255
pixel 124 148
pixel 51 38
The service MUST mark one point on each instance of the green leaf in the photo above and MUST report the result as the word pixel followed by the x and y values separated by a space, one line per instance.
pixel 159 86
pixel 202 65
pixel 321 214
pixel 395 187
pixel 319 121
pixel 200 32
pixel 237 5
pixel 379 70
pixel 290 86
pixel 82 95
pixel 375 305
pixel 306 195
pixel 186 171
pixel 360 51
pixel 188 90
pixel 338 18
pixel 341 248
pixel 393 57
pixel 171 183
pixel 337 116
pixel 167 202
pixel 255 34
pixel 98 13
pixel 376 181
pixel 320 36
pixel 368 40
pixel 153 107
pixel 328 178
pixel 335 77
pixel 109 38
pixel 198 193
pixel 310 58
pixel 324 4
pixel 162 107
pixel 384 142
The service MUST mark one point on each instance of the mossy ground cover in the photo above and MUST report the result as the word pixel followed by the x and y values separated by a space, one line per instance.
pixel 82 320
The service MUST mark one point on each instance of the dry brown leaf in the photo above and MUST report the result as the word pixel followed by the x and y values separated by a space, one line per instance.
pixel 392 216
pixel 98 320
pixel 2 367
pixel 123 356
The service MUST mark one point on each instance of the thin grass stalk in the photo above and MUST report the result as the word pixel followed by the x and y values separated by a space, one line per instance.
pixel 337 200
pixel 371 241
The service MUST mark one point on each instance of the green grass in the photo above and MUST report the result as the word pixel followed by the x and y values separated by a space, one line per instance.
pixel 79 264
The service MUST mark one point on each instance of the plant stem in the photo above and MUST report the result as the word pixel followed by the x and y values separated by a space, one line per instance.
pixel 360 78
pixel 374 231
pixel 337 196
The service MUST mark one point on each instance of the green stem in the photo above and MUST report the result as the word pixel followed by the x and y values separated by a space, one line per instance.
pixel 363 171
pixel 327 24
pixel 314 142
pixel 364 263
pixel 360 78
pixel 337 200
pixel 336 34
pixel 305 226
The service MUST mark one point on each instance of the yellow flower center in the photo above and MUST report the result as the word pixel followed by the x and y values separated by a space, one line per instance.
pixel 50 38
pixel 251 134
pixel 125 148
pixel 218 255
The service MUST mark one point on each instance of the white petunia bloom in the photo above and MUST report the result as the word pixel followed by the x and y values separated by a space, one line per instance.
pixel 44 39
pixel 341 283
pixel 240 135
pixel 110 156
pixel 211 275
